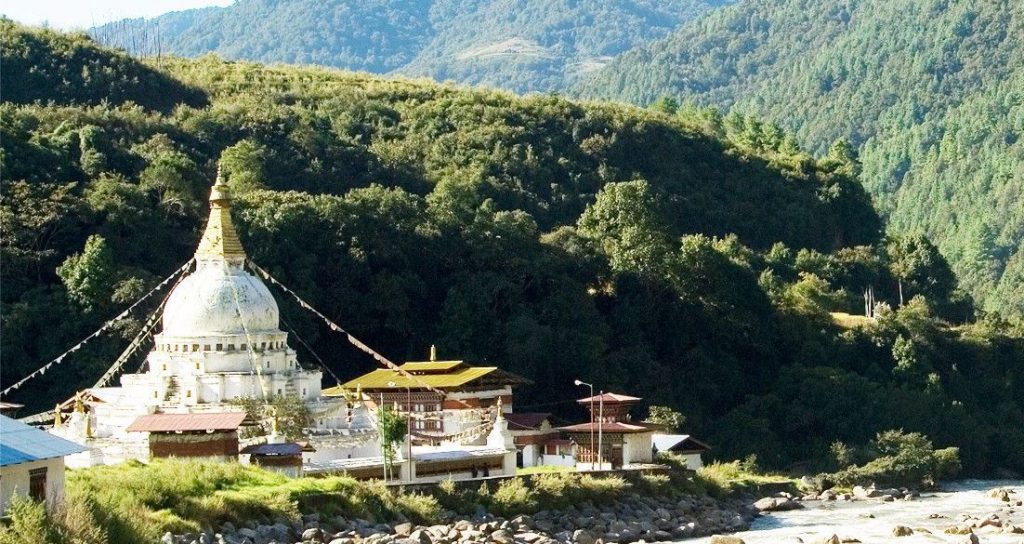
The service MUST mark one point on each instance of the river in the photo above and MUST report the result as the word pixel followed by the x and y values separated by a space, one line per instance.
pixel 849 519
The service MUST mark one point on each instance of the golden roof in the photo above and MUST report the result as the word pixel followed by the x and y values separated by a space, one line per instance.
pixel 220 238
pixel 434 374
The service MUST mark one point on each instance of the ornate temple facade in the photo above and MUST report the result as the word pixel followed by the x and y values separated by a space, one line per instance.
pixel 220 342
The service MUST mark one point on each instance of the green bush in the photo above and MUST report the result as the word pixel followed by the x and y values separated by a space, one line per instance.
pixel 900 459
pixel 69 522
pixel 512 497
pixel 29 524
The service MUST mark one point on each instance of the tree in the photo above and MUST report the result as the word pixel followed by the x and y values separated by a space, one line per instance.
pixel 842 157
pixel 90 276
pixel 288 413
pixel 391 427
pixel 626 220
pixel 920 269
pixel 666 417
pixel 666 104
pixel 242 166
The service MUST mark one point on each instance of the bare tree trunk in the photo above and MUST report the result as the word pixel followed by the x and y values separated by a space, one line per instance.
pixel 900 282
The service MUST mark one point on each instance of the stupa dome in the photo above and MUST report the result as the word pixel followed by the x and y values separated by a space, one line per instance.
pixel 220 297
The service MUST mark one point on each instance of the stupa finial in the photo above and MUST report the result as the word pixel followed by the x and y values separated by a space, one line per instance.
pixel 220 238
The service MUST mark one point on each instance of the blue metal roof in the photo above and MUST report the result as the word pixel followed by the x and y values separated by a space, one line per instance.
pixel 288 448
pixel 20 443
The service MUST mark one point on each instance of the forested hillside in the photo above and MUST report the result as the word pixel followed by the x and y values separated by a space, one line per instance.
pixel 531 45
pixel 930 93
pixel 695 261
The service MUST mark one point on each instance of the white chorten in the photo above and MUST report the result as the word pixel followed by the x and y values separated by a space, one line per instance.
pixel 220 342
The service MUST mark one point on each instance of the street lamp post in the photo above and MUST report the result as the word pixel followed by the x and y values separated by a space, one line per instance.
pixel 600 432
pixel 591 386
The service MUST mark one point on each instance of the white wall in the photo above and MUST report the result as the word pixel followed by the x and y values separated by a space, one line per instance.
pixel 14 480
pixel 637 448
pixel 693 461
pixel 531 455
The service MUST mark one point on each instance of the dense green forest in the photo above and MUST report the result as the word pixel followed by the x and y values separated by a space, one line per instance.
pixel 520 45
pixel 929 92
pixel 699 262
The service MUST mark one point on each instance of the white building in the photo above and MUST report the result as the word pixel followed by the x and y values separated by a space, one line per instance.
pixel 682 445
pixel 611 439
pixel 220 342
pixel 31 463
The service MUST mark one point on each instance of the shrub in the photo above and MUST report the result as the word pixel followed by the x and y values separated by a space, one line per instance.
pixel 901 459
pixel 511 498
pixel 29 524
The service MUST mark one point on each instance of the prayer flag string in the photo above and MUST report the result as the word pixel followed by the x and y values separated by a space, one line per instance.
pixel 105 327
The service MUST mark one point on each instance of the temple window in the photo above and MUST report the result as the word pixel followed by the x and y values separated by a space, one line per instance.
pixel 188 394
pixel 231 347
pixel 165 366
pixel 263 345
pixel 155 394
pixel 197 366
pixel 195 347
pixel 303 391
pixel 243 347
pixel 184 347
pixel 266 364
pixel 206 347
pixel 279 392
pixel 220 347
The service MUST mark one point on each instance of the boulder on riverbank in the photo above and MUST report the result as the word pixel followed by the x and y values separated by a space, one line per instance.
pixel 902 530
pixel 776 504
pixel 632 519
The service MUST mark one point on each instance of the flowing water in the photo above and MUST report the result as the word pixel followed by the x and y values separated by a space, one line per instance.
pixel 849 519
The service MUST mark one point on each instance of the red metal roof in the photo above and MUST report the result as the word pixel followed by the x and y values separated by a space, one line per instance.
pixel 609 427
pixel 164 423
pixel 610 398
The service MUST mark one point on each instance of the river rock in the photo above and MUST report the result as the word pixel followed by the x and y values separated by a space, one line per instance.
pixel 313 534
pixel 403 529
pixel 528 537
pixel 834 539
pixel 726 539
pixel 970 539
pixel 861 492
pixel 421 536
pixel 544 525
pixel 1001 494
pixel 902 530
pixel 776 504
pixel 582 536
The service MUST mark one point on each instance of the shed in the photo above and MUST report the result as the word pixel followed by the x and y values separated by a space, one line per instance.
pixel 285 457
pixel 31 462
pixel 210 435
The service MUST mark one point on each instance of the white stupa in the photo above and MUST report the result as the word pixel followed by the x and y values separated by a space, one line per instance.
pixel 220 342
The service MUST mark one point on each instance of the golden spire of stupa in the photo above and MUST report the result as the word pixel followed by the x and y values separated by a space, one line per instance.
pixel 220 239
